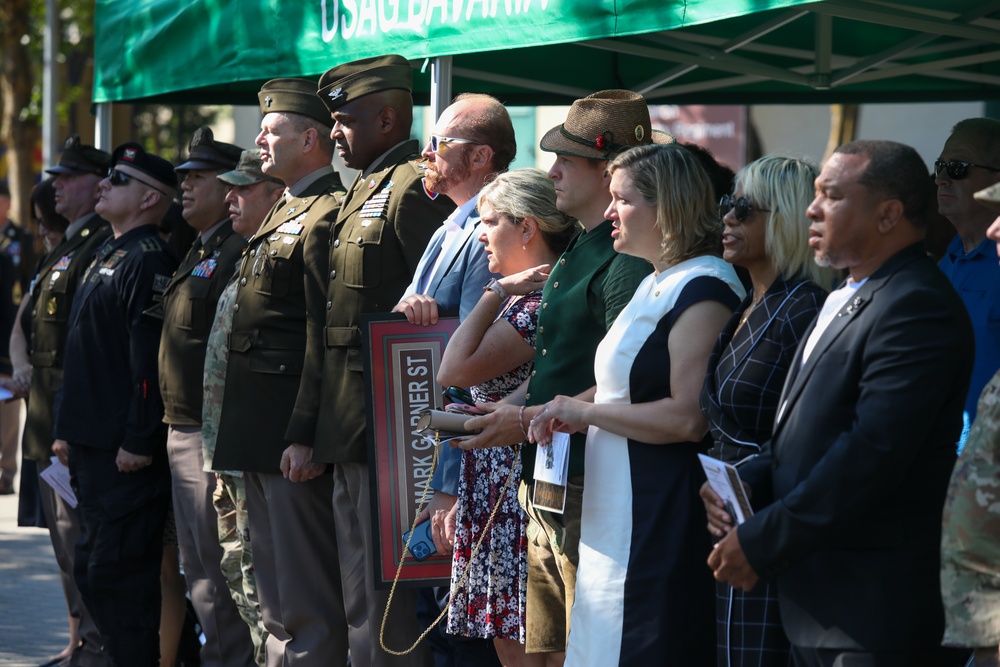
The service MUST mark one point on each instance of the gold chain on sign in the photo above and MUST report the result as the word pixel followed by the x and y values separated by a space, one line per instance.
pixel 472 556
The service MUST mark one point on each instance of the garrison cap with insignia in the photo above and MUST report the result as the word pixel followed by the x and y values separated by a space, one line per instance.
pixel 134 155
pixel 204 152
pixel 77 158
pixel 989 197
pixel 293 96
pixel 248 171
pixel 346 83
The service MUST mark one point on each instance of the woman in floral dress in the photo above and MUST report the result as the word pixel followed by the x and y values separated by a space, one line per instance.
pixel 492 352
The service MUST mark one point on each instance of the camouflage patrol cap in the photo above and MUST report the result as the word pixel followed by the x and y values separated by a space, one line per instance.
pixel 346 83
pixel 248 171
pixel 77 158
pixel 204 152
pixel 293 96
pixel 989 197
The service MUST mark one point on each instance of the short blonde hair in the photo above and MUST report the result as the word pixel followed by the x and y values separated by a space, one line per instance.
pixel 783 186
pixel 528 193
pixel 671 179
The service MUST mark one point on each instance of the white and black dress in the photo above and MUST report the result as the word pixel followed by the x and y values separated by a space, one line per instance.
pixel 644 595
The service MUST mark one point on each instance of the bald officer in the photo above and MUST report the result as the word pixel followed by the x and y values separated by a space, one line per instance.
pixel 189 307
pixel 111 413
pixel 280 279
pixel 378 239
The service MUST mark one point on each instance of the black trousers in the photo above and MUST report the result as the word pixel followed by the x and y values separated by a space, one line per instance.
pixel 914 657
pixel 120 550
pixel 450 650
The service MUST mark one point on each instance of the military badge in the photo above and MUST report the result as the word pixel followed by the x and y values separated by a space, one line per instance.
pixel 205 268
pixel 51 305
pixel 62 264
pixel 290 227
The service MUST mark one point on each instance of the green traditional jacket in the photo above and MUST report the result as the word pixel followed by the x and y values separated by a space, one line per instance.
pixel 587 288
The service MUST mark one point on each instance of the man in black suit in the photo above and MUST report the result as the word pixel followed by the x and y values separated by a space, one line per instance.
pixel 848 494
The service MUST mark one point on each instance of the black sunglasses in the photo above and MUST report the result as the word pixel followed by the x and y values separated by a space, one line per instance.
pixel 956 169
pixel 742 206
pixel 116 178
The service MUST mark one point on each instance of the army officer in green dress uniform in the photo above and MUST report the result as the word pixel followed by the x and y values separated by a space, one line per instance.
pixel 280 279
pixel 77 175
pixel 378 239
pixel 189 302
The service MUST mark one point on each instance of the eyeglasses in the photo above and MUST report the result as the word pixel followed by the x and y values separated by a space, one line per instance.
pixel 956 169
pixel 742 206
pixel 116 178
pixel 437 142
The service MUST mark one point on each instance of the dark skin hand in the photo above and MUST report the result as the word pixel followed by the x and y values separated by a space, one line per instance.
pixel 727 560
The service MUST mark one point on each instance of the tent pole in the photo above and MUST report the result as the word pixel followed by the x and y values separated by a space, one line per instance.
pixel 440 85
pixel 102 127
pixel 50 124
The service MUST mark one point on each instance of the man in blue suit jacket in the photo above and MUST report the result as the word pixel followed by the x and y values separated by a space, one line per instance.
pixel 473 140
pixel 849 492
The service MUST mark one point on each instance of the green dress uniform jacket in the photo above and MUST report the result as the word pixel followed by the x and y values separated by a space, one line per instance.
pixel 379 237
pixel 52 294
pixel 189 308
pixel 585 291
pixel 282 273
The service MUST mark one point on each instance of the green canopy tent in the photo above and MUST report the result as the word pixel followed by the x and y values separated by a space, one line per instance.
pixel 553 51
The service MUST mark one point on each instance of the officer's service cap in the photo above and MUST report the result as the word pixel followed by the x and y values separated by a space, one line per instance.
pixel 204 152
pixel 135 156
pixel 346 83
pixel 77 158
pixel 293 96
pixel 248 171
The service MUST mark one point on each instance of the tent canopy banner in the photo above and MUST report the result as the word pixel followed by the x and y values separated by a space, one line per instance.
pixel 152 48
pixel 553 51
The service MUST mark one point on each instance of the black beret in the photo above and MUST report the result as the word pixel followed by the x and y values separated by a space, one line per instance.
pixel 346 83
pixel 132 154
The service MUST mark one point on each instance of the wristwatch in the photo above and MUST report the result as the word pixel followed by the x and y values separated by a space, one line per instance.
pixel 494 286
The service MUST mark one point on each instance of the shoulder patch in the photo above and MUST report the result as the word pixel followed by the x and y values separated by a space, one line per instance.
pixel 160 282
pixel 430 195
pixel 150 245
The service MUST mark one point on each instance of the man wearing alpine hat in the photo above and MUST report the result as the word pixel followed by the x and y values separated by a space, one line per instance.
pixel 584 293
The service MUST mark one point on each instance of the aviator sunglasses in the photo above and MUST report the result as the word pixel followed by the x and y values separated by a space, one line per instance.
pixel 437 142
pixel 117 178
pixel 956 169
pixel 742 206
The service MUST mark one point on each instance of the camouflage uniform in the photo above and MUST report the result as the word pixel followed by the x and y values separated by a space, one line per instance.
pixel 970 544
pixel 230 493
